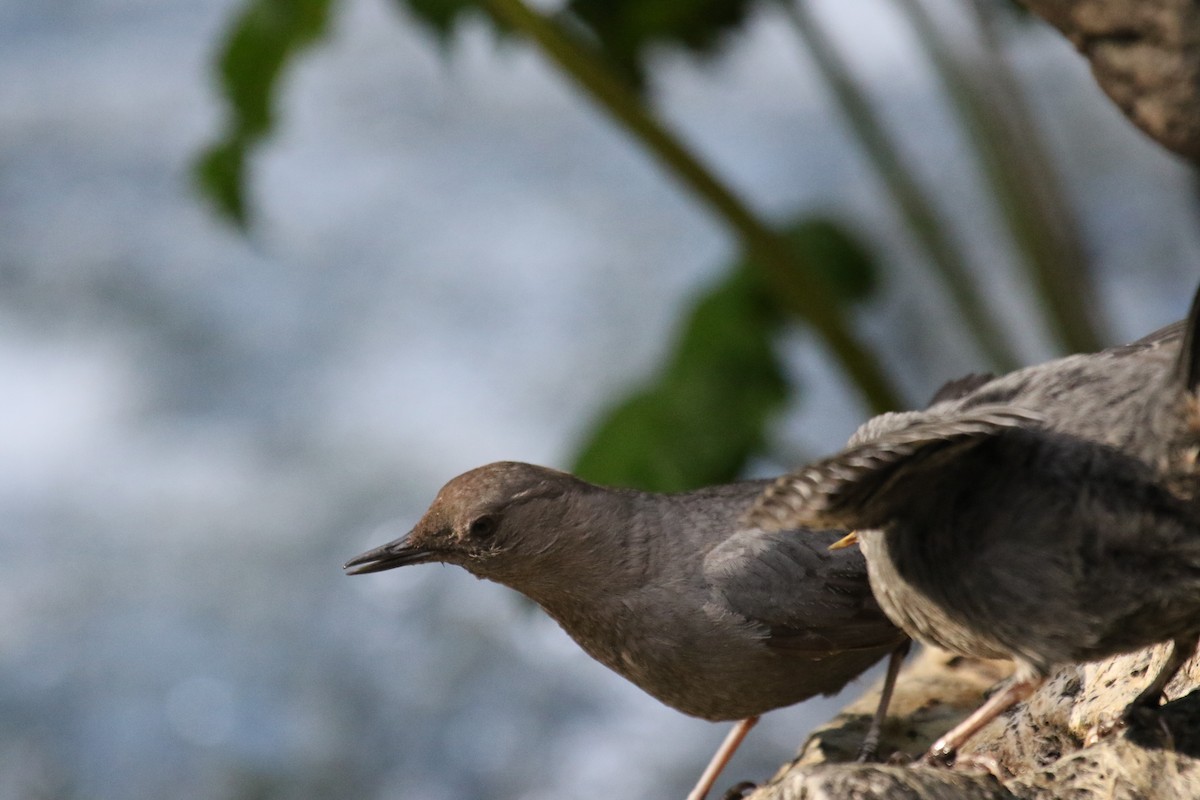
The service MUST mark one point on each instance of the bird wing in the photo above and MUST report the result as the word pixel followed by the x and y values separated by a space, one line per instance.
pixel 1167 333
pixel 834 492
pixel 961 387
pixel 972 382
pixel 801 595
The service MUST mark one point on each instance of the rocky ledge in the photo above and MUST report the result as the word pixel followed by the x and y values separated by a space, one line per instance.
pixel 1064 742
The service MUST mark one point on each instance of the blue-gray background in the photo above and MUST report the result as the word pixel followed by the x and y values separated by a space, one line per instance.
pixel 456 260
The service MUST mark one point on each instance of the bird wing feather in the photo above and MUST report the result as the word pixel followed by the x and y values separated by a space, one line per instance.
pixel 961 387
pixel 833 492
pixel 1167 333
pixel 802 596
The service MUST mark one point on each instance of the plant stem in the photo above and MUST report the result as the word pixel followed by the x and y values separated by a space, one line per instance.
pixel 914 205
pixel 1037 215
pixel 795 286
pixel 1062 271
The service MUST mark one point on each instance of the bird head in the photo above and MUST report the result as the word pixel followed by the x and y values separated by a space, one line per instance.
pixel 486 520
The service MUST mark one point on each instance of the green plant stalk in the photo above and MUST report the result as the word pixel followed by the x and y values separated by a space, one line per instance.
pixel 1062 274
pixel 1035 217
pixel 794 285
pixel 916 208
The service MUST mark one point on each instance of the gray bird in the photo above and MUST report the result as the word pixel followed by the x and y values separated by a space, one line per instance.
pixel 667 590
pixel 1060 535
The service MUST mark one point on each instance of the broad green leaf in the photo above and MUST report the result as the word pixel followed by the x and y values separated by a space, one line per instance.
pixel 440 15
pixel 264 37
pixel 626 30
pixel 219 172
pixel 705 414
pixel 841 258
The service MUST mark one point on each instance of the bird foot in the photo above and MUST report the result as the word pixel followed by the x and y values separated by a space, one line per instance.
pixel 950 759
pixel 983 764
pixel 1139 715
pixel 938 757
pixel 1102 730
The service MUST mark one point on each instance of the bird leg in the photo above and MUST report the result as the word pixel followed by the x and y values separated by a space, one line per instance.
pixel 1152 695
pixel 870 745
pixel 943 750
pixel 721 758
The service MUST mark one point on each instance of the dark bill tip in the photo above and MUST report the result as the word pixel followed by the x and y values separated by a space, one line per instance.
pixel 389 556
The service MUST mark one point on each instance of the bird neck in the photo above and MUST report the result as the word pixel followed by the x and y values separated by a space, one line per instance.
pixel 606 544
pixel 617 550
pixel 616 560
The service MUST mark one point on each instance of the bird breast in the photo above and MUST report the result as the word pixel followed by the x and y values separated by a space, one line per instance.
pixel 915 613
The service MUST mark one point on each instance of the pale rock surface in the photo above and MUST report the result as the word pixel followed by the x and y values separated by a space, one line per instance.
pixel 1057 745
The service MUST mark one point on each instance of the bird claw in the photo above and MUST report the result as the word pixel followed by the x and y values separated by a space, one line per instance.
pixel 986 764
pixel 945 758
pixel 939 757
pixel 1132 715
pixel 1137 716
pixel 1102 730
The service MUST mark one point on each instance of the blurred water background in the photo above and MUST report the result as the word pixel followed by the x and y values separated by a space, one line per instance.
pixel 455 260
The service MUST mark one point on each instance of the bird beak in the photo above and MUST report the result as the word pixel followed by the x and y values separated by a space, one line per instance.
pixel 849 540
pixel 391 555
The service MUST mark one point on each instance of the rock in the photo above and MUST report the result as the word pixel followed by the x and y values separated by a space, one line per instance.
pixel 1065 742
pixel 1145 54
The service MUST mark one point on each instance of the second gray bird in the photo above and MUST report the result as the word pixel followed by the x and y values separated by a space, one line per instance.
pixel 665 589
pixel 1060 536
pixel 993 540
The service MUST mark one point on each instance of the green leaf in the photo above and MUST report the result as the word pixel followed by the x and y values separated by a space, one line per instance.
pixel 626 30
pixel 219 173
pixel 705 414
pixel 440 15
pixel 837 254
pixel 266 35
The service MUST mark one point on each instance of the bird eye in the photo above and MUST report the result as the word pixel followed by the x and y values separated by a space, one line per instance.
pixel 483 527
